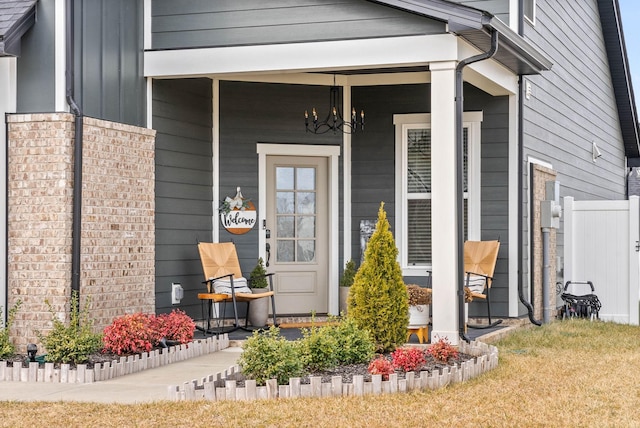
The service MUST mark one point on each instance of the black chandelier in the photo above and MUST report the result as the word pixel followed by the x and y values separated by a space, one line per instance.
pixel 334 121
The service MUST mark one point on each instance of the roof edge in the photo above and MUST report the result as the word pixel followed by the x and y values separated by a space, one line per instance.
pixel 613 34
pixel 10 45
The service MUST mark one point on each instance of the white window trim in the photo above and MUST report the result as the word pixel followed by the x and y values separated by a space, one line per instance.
pixel 531 20
pixel 403 122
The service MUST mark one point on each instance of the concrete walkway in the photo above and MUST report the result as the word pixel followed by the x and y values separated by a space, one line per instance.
pixel 146 386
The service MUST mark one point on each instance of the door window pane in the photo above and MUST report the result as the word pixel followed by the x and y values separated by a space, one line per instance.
pixel 306 203
pixel 285 226
pixel 296 214
pixel 285 251
pixel 284 202
pixel 307 227
pixel 305 178
pixel 306 250
pixel 284 178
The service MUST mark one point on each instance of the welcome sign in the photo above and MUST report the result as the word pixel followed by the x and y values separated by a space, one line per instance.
pixel 238 221
pixel 237 215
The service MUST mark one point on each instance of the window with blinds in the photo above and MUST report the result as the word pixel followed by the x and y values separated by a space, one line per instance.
pixel 418 194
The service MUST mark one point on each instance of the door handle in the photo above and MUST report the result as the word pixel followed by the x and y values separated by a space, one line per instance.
pixel 268 248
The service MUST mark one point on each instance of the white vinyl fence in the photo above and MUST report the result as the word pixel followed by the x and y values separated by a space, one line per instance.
pixel 601 245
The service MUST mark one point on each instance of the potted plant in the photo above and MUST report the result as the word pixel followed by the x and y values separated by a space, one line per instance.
pixel 345 283
pixel 259 308
pixel 419 301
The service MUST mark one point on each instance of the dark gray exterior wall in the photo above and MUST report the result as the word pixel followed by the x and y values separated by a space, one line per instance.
pixel 373 168
pixel 208 23
pixel 252 113
pixel 182 117
pixel 109 61
pixel 573 105
pixel 35 65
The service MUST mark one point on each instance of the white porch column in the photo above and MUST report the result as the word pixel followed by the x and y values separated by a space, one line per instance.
pixel 443 201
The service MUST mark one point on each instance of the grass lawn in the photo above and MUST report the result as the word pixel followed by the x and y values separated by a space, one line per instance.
pixel 570 373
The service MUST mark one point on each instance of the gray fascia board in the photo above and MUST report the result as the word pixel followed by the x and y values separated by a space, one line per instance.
pixel 520 47
pixel 10 40
pixel 461 19
pixel 456 15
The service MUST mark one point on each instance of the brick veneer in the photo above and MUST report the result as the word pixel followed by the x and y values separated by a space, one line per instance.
pixel 540 176
pixel 118 241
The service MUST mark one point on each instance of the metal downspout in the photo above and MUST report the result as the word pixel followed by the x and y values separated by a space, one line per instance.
pixel 460 173
pixel 77 152
pixel 523 300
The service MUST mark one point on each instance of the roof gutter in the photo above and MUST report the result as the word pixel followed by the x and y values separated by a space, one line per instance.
pixel 459 93
pixel 76 228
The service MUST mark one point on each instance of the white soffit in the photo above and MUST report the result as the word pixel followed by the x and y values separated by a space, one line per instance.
pixel 301 57
pixel 488 75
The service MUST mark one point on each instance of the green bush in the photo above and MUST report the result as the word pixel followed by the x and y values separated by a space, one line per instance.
pixel 319 348
pixel 72 343
pixel 7 348
pixel 258 276
pixel 348 274
pixel 354 344
pixel 268 355
pixel 378 300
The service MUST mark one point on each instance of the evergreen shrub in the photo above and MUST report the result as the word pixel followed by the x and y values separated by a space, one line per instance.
pixel 378 300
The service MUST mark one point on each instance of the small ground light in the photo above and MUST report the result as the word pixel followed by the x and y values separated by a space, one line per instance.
pixel 32 350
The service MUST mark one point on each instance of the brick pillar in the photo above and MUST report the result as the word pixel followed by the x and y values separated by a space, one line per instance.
pixel 540 176
pixel 117 255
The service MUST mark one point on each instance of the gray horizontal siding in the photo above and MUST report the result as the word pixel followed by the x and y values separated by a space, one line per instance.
pixel 182 116
pixel 227 23
pixel 252 113
pixel 373 167
pixel 574 105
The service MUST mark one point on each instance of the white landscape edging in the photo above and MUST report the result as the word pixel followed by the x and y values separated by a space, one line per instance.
pixel 110 370
pixel 223 387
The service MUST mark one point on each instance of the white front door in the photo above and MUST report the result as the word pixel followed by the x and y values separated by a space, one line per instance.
pixel 297 213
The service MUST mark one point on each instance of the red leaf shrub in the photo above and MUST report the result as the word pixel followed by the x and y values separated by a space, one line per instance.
pixel 135 333
pixel 408 359
pixel 130 334
pixel 381 366
pixel 176 326
pixel 442 350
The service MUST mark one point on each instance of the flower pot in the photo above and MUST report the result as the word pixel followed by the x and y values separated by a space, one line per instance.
pixel 418 316
pixel 258 309
pixel 344 294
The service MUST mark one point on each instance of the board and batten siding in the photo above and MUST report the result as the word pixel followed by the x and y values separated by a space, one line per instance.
pixel 208 23
pixel 109 49
pixel 182 117
pixel 573 105
pixel 35 76
pixel 108 61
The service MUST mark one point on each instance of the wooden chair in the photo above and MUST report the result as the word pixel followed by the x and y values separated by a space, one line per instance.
pixel 225 283
pixel 480 258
